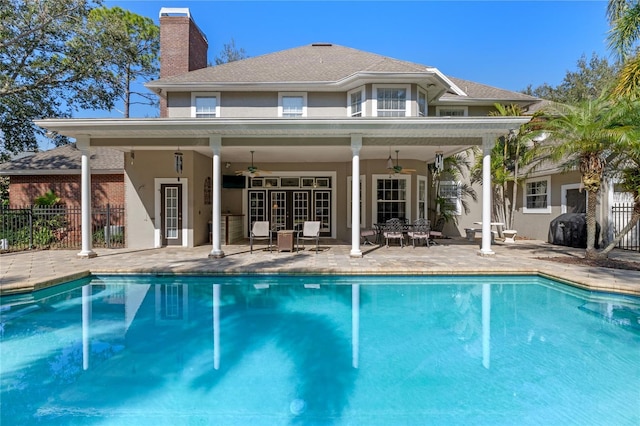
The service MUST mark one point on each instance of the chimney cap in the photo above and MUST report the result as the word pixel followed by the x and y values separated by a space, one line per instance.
pixel 175 11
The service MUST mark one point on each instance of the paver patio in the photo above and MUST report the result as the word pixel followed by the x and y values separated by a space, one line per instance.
pixel 24 272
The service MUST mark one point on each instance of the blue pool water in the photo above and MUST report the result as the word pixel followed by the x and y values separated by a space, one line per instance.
pixel 319 350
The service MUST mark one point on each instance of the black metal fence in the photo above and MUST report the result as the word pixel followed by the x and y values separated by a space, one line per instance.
pixel 621 214
pixel 58 227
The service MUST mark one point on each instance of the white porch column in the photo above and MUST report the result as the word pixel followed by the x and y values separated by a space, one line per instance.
pixel 487 146
pixel 356 145
pixel 83 143
pixel 215 143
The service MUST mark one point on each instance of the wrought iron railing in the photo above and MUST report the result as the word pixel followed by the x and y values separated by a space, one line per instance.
pixel 621 214
pixel 58 227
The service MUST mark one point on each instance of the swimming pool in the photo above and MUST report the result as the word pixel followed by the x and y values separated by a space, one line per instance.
pixel 357 350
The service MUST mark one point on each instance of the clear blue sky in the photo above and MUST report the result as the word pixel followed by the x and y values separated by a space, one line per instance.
pixel 506 44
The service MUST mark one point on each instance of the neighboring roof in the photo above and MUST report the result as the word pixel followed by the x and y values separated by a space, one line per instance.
pixel 326 63
pixel 482 91
pixel 66 159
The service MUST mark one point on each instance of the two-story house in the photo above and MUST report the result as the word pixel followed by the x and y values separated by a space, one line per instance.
pixel 302 134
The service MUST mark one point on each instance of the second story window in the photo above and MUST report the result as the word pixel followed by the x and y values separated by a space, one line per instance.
pixel 392 101
pixel 205 105
pixel 422 104
pixel 355 103
pixel 292 105
pixel 452 111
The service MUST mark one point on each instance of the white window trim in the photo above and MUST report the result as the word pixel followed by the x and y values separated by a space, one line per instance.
pixel 458 211
pixel 426 197
pixel 195 95
pixel 407 111
pixel 363 210
pixel 364 101
pixel 545 210
pixel 303 95
pixel 463 108
pixel 426 103
pixel 374 195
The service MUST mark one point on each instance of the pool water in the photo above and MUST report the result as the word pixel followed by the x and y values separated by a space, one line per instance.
pixel 319 350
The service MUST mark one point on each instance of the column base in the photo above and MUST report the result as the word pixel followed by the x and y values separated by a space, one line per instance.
pixel 489 252
pixel 355 253
pixel 216 254
pixel 87 254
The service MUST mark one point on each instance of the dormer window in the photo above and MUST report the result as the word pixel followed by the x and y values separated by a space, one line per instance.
pixel 391 100
pixel 291 105
pixel 355 102
pixel 205 105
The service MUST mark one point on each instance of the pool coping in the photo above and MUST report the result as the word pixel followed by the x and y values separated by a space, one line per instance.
pixel 603 287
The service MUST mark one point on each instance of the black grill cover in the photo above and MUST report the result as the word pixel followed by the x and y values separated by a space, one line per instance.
pixel 570 229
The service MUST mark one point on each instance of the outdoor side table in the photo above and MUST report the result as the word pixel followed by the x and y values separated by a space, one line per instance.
pixel 285 240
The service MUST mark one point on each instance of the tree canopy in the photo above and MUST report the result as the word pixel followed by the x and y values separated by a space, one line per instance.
pixel 589 81
pixel 230 53
pixel 57 58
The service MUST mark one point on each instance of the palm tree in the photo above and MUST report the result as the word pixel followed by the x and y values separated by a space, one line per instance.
pixel 624 36
pixel 583 137
pixel 625 165
pixel 510 154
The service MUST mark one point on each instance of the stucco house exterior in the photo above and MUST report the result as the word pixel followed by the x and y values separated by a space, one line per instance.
pixel 309 119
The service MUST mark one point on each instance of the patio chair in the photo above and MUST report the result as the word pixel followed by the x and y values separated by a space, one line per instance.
pixel 420 231
pixel 310 232
pixel 365 234
pixel 260 231
pixel 394 230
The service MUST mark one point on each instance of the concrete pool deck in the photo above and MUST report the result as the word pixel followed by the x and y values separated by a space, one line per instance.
pixel 27 271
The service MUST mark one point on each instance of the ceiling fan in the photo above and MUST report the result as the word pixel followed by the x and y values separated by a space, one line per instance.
pixel 251 170
pixel 397 168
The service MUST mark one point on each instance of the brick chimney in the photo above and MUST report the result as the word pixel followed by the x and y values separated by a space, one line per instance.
pixel 183 47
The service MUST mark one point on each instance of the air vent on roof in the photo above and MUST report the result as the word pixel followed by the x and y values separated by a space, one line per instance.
pixel 322 44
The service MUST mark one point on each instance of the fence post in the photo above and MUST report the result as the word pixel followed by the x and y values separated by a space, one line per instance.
pixel 108 230
pixel 31 227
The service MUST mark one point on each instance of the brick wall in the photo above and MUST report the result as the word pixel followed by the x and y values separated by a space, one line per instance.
pixel 183 48
pixel 105 189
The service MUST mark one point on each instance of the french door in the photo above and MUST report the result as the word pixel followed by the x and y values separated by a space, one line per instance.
pixel 171 214
pixel 289 209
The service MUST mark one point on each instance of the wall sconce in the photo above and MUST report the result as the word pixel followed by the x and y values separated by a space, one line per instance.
pixel 439 161
pixel 178 161
pixel 227 165
pixel 133 156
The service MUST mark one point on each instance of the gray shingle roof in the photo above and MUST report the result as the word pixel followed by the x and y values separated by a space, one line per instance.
pixel 318 62
pixel 323 62
pixel 482 91
pixel 66 157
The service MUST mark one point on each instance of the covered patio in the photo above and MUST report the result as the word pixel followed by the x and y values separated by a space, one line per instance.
pixel 339 147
